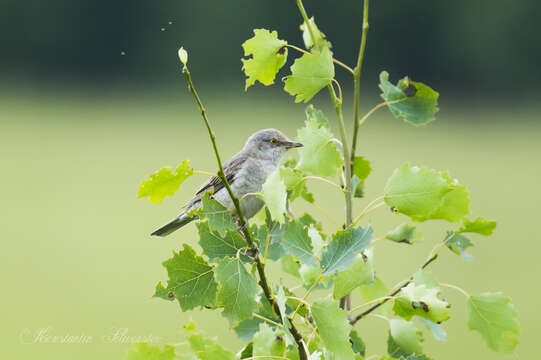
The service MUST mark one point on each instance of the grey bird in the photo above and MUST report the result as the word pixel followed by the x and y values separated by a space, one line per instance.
pixel 245 172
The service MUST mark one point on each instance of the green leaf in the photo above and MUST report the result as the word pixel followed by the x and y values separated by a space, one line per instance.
pixel 375 290
pixel 478 226
pixel 309 74
pixel 217 246
pixel 361 170
pixel 319 155
pixel 275 231
pixel 458 244
pixel 269 54
pixel 355 275
pixel 296 242
pixel 405 233
pixel 424 194
pixel 164 182
pixel 247 351
pixel 414 102
pixel 246 329
pixel 237 290
pixel 422 301
pixel 142 351
pixel 495 318
pixel 162 292
pixel 291 265
pixel 317 240
pixel 295 184
pixel 267 342
pixel 219 217
pixel 317 115
pixel 281 301
pixel 342 248
pixel 205 347
pixel 357 343
pixel 275 196
pixel 191 279
pixel 404 339
pixel 437 330
pixel 334 328
pixel 307 37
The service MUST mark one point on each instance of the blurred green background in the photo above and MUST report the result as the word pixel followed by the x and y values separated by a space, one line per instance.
pixel 92 101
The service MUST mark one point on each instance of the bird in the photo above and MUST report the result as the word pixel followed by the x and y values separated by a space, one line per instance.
pixel 245 172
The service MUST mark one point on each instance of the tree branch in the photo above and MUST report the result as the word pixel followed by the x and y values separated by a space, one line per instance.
pixel 354 320
pixel 263 283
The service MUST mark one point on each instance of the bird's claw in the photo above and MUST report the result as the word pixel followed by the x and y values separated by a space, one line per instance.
pixel 252 252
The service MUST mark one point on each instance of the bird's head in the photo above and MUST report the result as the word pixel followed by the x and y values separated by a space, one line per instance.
pixel 270 144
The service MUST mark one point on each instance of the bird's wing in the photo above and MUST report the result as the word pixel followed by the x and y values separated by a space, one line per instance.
pixel 215 184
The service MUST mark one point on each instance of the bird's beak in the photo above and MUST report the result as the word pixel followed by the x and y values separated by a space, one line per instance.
pixel 292 144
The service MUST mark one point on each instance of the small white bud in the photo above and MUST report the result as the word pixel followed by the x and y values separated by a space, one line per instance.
pixel 183 55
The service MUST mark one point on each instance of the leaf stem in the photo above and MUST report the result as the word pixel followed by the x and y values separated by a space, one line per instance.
pixel 337 62
pixel 318 208
pixel 354 320
pixel 324 180
pixel 451 286
pixel 263 283
pixel 371 302
pixel 357 80
pixel 199 172
pixel 364 211
pixel 305 296
pixel 267 320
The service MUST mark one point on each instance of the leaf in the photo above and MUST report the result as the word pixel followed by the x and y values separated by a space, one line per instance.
pixel 355 275
pixel 164 182
pixel 205 347
pixel 357 343
pixel 219 217
pixel 296 242
pixel 334 328
pixel 342 248
pixel 142 351
pixel 295 184
pixel 246 329
pixel 405 233
pixel 191 279
pixel 422 301
pixel 319 155
pixel 479 226
pixel 216 246
pixel 458 244
pixel 275 231
pixel 376 290
pixel 361 170
pixel 237 290
pixel 291 265
pixel 275 196
pixel 269 54
pixel 424 194
pixel 267 342
pixel 317 115
pixel 414 102
pixel 495 318
pixel 437 330
pixel 281 302
pixel 307 37
pixel 247 351
pixel 404 339
pixel 317 240
pixel 162 292
pixel 309 74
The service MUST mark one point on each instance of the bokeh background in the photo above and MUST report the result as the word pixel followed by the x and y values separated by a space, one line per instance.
pixel 92 101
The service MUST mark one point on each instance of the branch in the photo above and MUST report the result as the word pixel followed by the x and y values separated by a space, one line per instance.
pixel 263 283
pixel 356 81
pixel 354 320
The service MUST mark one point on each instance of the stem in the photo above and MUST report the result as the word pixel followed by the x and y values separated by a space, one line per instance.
pixel 267 320
pixel 263 283
pixel 200 172
pixel 337 62
pixel 306 21
pixel 370 303
pixel 324 180
pixel 305 296
pixel 356 80
pixel 354 320
pixel 451 286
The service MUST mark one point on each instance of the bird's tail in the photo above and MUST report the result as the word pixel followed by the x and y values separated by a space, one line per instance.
pixel 173 225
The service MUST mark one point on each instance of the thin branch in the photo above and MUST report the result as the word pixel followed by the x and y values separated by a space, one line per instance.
pixel 357 80
pixel 200 172
pixel 454 287
pixel 267 320
pixel 370 303
pixel 354 320
pixel 263 283
pixel 339 90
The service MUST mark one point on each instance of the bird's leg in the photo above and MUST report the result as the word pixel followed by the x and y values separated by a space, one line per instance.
pixel 253 252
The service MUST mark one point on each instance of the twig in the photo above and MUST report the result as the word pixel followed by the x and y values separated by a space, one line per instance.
pixel 354 320
pixel 263 283
pixel 324 180
pixel 267 320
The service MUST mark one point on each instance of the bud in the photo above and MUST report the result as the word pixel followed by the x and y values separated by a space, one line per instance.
pixel 183 55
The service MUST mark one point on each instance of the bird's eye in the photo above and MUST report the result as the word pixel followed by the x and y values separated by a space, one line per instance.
pixel 273 141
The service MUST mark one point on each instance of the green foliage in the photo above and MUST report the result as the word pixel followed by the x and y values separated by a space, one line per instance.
pixel 269 54
pixel 219 217
pixel 334 328
pixel 191 280
pixel 405 233
pixel 142 351
pixel 309 74
pixel 237 290
pixel 414 102
pixel 319 155
pixel 164 182
pixel 424 194
pixel 495 318
pixel 274 194
pixel 281 322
